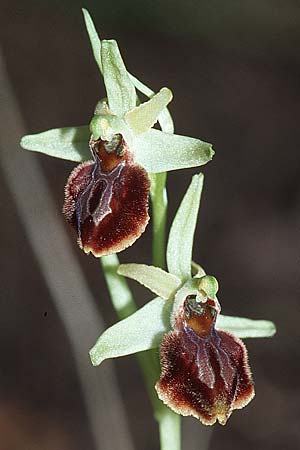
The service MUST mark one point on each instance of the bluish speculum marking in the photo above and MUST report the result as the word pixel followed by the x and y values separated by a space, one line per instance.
pixel 106 199
pixel 95 199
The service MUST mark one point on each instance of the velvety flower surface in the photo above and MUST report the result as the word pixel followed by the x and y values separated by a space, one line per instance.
pixel 106 200
pixel 205 372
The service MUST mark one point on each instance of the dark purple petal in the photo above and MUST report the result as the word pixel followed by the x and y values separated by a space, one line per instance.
pixel 205 372
pixel 106 200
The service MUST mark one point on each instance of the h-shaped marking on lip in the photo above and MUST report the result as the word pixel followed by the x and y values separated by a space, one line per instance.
pixel 103 208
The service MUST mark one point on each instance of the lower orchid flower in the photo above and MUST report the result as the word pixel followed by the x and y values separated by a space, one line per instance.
pixel 204 365
pixel 205 371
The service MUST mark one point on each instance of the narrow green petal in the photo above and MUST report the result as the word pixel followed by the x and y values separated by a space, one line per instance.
pixel 161 152
pixel 120 89
pixel 164 118
pixel 94 38
pixel 246 328
pixel 141 331
pixel 143 117
pixel 70 143
pixel 157 280
pixel 180 244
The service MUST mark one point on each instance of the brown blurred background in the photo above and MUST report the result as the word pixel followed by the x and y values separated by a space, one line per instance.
pixel 234 69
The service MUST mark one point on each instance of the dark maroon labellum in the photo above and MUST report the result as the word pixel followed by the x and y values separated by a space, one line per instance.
pixel 106 200
pixel 205 372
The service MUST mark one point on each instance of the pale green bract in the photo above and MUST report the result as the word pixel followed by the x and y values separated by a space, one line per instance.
pixel 180 243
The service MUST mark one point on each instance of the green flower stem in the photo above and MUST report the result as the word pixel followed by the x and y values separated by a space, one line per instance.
pixel 169 422
pixel 159 217
pixel 169 430
pixel 120 294
pixel 124 305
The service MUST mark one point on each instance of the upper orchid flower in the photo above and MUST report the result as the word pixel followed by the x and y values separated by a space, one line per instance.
pixel 204 365
pixel 106 196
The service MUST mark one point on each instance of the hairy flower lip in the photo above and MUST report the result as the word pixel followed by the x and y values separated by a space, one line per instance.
pixel 205 371
pixel 106 199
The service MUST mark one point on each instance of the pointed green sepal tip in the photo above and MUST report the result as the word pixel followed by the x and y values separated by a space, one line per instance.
pixel 95 356
pixel 94 38
pixel 209 285
pixel 210 152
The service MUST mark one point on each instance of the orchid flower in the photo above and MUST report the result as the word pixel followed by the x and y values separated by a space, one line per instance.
pixel 204 365
pixel 106 196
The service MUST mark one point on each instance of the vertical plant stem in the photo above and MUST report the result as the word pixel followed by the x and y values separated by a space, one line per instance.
pixel 169 430
pixel 120 294
pixel 159 217
pixel 168 422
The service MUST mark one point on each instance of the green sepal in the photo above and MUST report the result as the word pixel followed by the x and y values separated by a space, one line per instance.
pixel 120 90
pixel 141 331
pixel 161 152
pixel 180 243
pixel 94 38
pixel 157 280
pixel 70 143
pixel 246 328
